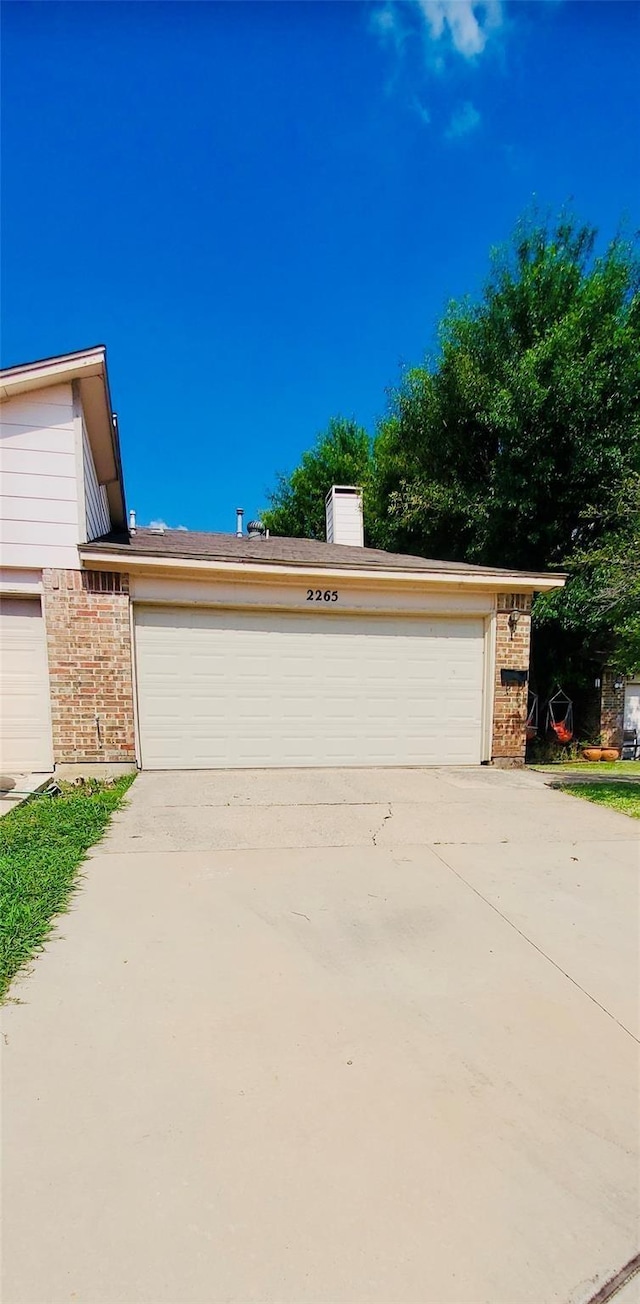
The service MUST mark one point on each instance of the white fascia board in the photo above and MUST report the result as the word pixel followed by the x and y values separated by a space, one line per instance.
pixel 52 371
pixel 516 581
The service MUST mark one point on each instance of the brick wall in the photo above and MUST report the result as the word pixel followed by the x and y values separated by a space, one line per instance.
pixel 611 708
pixel 510 701
pixel 90 668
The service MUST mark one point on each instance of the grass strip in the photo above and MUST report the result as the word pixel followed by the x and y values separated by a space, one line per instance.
pixel 42 846
pixel 623 797
pixel 629 768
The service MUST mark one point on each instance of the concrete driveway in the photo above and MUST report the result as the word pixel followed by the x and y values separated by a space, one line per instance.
pixel 332 1036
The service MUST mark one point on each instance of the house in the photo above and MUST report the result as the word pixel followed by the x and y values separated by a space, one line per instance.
pixel 175 649
pixel 619 706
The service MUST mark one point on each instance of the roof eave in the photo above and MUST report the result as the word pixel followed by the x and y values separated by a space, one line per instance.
pixel 52 371
pixel 122 559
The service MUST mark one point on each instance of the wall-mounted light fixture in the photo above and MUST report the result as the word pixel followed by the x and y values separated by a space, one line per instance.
pixel 514 617
pixel 618 683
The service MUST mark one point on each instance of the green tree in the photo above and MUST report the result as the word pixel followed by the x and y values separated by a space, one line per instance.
pixel 600 606
pixel 340 455
pixel 530 412
pixel 517 444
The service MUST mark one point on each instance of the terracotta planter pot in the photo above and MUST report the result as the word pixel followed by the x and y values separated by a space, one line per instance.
pixel 592 753
pixel 610 754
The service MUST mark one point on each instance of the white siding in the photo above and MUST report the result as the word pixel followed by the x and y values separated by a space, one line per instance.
pixel 38 472
pixel 95 495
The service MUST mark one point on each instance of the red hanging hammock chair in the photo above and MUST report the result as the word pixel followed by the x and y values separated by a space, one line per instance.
pixel 560 716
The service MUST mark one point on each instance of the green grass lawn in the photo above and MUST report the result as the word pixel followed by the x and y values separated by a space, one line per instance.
pixel 42 845
pixel 629 768
pixel 624 797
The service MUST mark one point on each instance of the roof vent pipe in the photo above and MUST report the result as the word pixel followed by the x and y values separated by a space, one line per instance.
pixel 239 516
pixel 132 522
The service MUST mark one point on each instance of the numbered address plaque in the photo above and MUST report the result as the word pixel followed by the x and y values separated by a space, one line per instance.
pixel 322 595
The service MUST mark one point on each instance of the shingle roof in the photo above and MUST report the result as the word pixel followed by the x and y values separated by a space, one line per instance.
pixel 290 552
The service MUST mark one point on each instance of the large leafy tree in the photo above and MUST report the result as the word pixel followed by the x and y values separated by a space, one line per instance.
pixel 529 414
pixel 517 444
pixel 340 455
pixel 599 609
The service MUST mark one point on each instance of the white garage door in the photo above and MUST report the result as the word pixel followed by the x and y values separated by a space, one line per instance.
pixel 237 689
pixel 25 731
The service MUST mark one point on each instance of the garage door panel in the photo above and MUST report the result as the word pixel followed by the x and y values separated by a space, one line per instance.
pixel 25 731
pixel 242 689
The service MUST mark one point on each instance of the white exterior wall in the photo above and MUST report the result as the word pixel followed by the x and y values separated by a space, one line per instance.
pixel 95 495
pixel 39 500
pixel 292 595
pixel 50 499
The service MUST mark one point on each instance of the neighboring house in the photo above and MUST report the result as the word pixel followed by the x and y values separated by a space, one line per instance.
pixel 61 485
pixel 619 706
pixel 173 649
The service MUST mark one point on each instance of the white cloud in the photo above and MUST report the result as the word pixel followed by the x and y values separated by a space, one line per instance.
pixel 465 24
pixel 423 114
pixel 465 120
pixel 162 525
pixel 387 24
pixel 429 36
pixel 462 26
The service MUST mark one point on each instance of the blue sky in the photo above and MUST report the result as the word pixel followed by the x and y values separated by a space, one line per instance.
pixel 262 209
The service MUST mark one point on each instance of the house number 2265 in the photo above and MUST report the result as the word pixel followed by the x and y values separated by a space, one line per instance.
pixel 322 595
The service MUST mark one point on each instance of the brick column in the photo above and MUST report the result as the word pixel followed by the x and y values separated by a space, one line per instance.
pixel 611 708
pixel 90 665
pixel 510 701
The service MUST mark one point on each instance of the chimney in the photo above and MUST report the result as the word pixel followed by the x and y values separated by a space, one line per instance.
pixel 344 515
pixel 132 522
pixel 239 516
